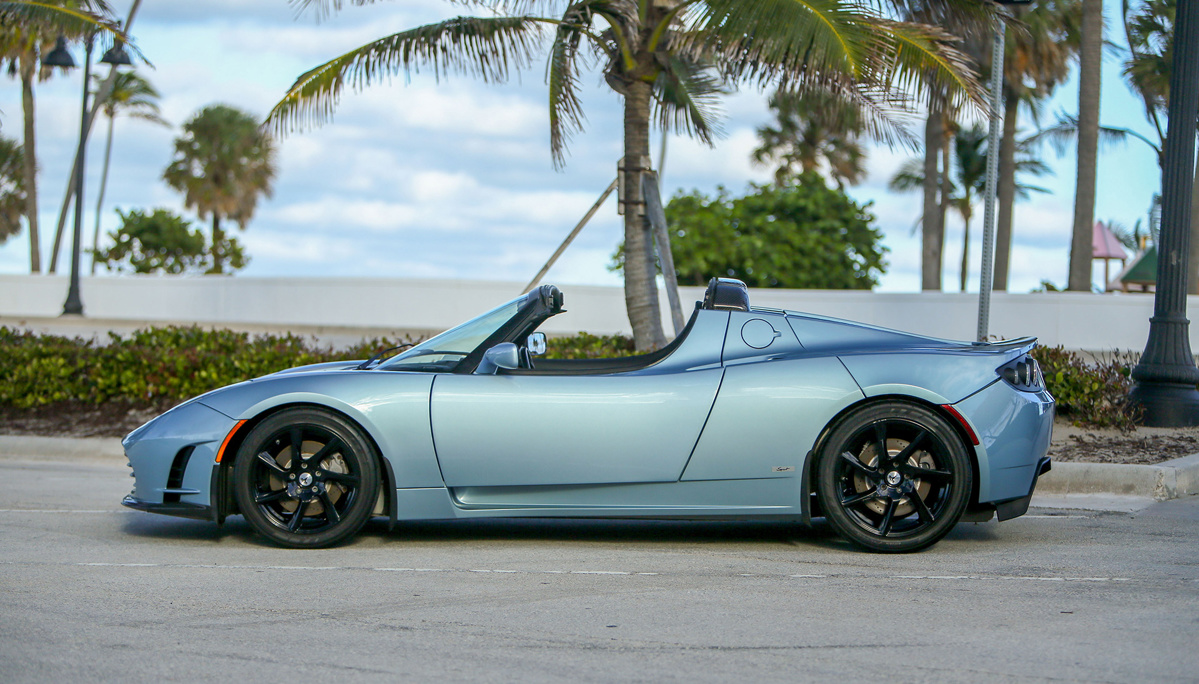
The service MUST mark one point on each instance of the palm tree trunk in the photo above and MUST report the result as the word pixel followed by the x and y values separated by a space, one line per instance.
pixel 100 199
pixel 946 181
pixel 1006 192
pixel 1090 64
pixel 640 286
pixel 28 68
pixel 932 227
pixel 965 271
pixel 218 238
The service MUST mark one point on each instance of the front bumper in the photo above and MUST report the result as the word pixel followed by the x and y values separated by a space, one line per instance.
pixel 174 461
pixel 179 509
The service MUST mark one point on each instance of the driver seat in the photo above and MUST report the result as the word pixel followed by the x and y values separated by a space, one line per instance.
pixel 726 294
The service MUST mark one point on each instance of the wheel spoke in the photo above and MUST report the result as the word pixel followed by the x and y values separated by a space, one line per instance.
pixel 859 498
pixel 859 466
pixel 330 512
pixel 269 462
pixel 926 516
pixel 911 448
pixel 293 525
pixel 926 473
pixel 340 478
pixel 332 447
pixel 884 527
pixel 297 447
pixel 268 497
pixel 880 444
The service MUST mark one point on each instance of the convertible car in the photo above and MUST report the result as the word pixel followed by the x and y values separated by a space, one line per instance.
pixel 750 413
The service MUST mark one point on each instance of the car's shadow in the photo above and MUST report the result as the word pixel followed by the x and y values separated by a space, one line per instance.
pixel 575 530
pixel 550 530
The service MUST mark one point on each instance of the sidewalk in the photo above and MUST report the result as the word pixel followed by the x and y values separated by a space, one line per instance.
pixel 1078 486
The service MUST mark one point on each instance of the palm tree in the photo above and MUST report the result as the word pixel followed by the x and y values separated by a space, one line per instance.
pixel 1090 59
pixel 969 172
pixel 223 162
pixel 1040 51
pixel 134 96
pixel 12 187
pixel 813 131
pixel 668 59
pixel 1150 33
pixel 27 30
pixel 973 22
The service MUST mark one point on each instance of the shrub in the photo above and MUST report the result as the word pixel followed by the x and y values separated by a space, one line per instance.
pixel 588 346
pixel 157 365
pixel 1091 394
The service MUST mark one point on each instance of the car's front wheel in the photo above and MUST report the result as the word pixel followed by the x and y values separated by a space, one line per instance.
pixel 306 478
pixel 893 477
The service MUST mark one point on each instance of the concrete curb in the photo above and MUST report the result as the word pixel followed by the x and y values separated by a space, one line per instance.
pixel 1161 482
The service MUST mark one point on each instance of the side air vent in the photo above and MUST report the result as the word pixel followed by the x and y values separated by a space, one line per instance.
pixel 175 477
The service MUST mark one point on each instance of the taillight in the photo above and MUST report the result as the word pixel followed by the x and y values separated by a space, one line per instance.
pixel 1024 374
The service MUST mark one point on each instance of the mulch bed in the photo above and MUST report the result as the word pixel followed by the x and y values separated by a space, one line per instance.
pixel 74 419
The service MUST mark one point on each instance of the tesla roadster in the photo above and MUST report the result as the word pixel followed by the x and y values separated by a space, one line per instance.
pixel 750 413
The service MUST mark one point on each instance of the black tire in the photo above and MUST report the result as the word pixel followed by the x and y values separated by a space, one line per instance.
pixel 319 500
pixel 906 501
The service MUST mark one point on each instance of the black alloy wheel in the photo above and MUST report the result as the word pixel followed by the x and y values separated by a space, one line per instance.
pixel 894 477
pixel 306 478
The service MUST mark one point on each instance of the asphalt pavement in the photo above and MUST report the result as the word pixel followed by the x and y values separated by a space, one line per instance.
pixel 93 592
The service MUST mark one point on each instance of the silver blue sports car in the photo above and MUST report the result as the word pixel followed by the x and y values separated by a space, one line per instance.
pixel 750 413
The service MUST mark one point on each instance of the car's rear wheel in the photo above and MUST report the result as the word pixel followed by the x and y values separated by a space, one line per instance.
pixel 893 477
pixel 306 478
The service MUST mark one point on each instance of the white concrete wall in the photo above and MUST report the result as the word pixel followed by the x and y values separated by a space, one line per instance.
pixel 1075 320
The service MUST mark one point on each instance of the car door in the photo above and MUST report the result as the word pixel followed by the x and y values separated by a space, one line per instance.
pixel 511 430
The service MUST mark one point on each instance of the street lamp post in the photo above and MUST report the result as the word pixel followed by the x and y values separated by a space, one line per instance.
pixel 60 57
pixel 987 279
pixel 1166 376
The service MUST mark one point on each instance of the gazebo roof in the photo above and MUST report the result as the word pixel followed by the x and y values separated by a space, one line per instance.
pixel 1104 244
pixel 1142 270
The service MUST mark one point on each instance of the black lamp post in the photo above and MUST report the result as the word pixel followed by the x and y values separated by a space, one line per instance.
pixel 1166 377
pixel 60 57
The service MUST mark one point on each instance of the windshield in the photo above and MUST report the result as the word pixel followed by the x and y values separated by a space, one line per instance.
pixel 443 352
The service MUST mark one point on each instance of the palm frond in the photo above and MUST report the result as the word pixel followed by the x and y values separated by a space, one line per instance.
pixel 1065 131
pixel 485 47
pixel 916 56
pixel 325 8
pixel 763 40
pixel 967 18
pixel 910 176
pixel 566 110
pixel 686 98
pixel 91 16
pixel 834 42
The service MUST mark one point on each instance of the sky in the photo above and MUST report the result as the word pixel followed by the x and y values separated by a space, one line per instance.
pixel 415 178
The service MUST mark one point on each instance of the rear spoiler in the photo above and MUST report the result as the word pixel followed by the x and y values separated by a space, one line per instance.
pixel 1023 344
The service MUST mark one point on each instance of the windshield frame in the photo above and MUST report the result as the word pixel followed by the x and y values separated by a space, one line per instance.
pixel 478 331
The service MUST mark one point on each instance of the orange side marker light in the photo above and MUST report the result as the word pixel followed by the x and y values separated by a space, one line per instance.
pixel 228 438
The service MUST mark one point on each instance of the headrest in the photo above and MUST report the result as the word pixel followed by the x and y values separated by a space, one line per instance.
pixel 726 294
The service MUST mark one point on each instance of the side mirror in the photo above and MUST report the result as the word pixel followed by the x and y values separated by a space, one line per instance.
pixel 503 355
pixel 536 344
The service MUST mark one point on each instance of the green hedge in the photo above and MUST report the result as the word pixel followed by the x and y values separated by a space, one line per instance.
pixel 1090 393
pixel 155 365
pixel 158 365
